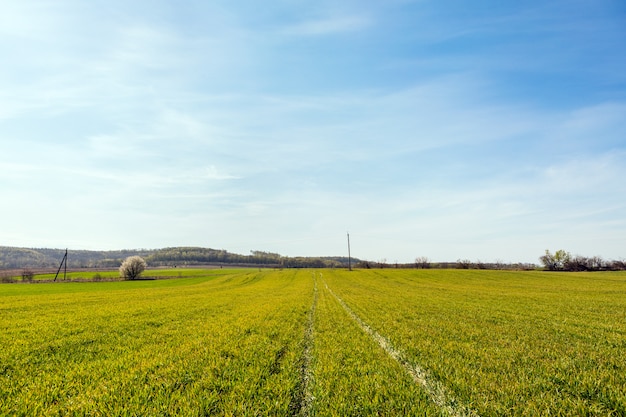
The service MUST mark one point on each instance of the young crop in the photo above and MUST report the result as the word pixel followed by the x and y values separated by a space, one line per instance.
pixel 215 346
pixel 504 343
pixel 316 342
pixel 353 376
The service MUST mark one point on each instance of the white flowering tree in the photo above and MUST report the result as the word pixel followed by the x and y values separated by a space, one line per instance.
pixel 132 267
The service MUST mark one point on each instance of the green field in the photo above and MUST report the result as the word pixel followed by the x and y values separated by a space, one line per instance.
pixel 317 342
pixel 108 275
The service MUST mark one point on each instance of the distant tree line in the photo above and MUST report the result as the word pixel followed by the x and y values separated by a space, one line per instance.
pixel 558 261
pixel 27 258
pixel 423 262
pixel 12 257
pixel 565 261
pixel 195 256
pixel 16 258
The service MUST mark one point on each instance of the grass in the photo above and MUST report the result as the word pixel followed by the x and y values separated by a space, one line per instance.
pixel 247 342
pixel 212 346
pixel 108 275
pixel 353 376
pixel 505 343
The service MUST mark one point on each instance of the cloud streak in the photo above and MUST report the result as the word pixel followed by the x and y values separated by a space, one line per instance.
pixel 328 26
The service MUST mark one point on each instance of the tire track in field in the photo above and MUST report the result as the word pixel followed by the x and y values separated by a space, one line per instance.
pixel 435 389
pixel 303 400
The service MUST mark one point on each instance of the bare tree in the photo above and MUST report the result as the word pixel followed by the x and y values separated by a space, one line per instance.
pixel 422 262
pixel 576 263
pixel 27 275
pixel 463 263
pixel 132 267
pixel 597 263
pixel 618 265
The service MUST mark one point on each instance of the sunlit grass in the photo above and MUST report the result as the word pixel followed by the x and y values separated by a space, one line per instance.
pixel 113 274
pixel 518 343
pixel 353 376
pixel 228 342
pixel 218 347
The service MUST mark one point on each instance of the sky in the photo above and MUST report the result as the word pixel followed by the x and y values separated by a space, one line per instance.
pixel 446 129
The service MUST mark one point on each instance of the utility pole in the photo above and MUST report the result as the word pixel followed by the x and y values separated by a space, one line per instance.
pixel 349 257
pixel 64 261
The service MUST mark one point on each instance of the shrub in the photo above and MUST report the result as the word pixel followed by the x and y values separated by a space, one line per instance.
pixel 27 275
pixel 132 267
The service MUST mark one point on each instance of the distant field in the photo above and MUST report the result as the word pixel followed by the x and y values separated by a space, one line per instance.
pixel 317 342
pixel 90 274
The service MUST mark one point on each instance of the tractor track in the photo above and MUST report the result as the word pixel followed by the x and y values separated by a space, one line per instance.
pixel 436 391
pixel 302 402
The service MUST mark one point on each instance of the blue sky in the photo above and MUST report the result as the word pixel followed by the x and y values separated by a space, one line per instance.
pixel 449 129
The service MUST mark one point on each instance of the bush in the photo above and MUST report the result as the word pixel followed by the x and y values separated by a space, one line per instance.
pixel 27 275
pixel 132 267
pixel 6 278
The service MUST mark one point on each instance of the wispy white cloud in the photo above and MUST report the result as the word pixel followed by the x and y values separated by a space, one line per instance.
pixel 599 126
pixel 328 26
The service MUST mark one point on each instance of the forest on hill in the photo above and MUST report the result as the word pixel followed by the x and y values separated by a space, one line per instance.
pixel 13 258
pixel 42 258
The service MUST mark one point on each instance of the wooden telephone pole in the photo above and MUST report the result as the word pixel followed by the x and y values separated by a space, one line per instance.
pixel 63 262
